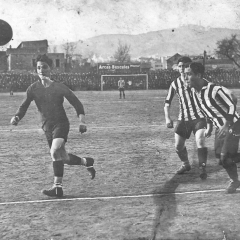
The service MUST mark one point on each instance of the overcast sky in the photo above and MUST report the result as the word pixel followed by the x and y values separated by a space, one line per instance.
pixel 60 21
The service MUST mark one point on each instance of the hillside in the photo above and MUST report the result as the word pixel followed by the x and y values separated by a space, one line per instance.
pixel 191 39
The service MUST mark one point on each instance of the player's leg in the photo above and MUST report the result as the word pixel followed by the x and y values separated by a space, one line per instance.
pixel 120 93
pixel 84 161
pixel 61 131
pixel 199 127
pixel 123 93
pixel 182 153
pixel 57 137
pixel 218 143
pixel 233 148
pixel 181 134
pixel 229 164
pixel 58 155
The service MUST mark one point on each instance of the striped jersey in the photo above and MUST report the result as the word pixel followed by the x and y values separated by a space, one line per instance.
pixel 216 103
pixel 187 108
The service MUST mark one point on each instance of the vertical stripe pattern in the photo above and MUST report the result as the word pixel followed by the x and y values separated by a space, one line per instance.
pixel 187 108
pixel 216 103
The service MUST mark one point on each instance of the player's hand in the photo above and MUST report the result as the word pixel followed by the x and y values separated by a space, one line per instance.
pixel 223 131
pixel 82 128
pixel 14 121
pixel 169 124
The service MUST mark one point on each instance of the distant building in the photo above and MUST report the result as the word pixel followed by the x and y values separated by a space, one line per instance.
pixel 211 64
pixel 145 59
pixel 150 63
pixel 23 58
pixel 172 61
pixel 159 64
pixel 3 61
pixel 145 67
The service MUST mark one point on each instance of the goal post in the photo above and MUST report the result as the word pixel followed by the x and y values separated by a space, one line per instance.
pixel 132 81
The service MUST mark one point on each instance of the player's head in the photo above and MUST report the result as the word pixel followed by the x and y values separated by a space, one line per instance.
pixel 44 64
pixel 194 73
pixel 44 58
pixel 183 62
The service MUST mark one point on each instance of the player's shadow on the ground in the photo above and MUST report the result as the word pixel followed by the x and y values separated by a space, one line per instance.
pixel 165 199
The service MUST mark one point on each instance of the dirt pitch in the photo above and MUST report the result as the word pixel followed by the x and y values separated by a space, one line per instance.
pixel 135 195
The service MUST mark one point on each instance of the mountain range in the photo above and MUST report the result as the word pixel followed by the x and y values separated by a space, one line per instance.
pixel 185 40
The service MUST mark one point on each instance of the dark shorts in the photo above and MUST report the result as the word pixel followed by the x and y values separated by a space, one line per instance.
pixel 59 130
pixel 227 145
pixel 185 128
pixel 121 89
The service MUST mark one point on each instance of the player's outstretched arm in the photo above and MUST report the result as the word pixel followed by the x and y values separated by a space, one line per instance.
pixel 82 125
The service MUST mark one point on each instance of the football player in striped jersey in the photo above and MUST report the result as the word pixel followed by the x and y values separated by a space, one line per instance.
pixel 218 106
pixel 190 120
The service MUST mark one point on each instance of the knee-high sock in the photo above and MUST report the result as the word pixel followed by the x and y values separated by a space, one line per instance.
pixel 75 160
pixel 58 168
pixel 232 172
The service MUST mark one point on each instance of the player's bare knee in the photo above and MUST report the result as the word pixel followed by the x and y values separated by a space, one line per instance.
pixel 57 150
pixel 57 153
pixel 200 143
pixel 179 143
pixel 200 138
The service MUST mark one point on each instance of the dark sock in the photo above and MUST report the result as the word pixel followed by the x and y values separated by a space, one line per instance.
pixel 58 168
pixel 75 160
pixel 183 155
pixel 232 172
pixel 230 166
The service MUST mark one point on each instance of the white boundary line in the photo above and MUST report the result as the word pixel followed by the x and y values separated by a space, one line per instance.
pixel 89 127
pixel 115 197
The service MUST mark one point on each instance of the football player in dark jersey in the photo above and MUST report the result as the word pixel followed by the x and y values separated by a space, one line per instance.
pixel 49 97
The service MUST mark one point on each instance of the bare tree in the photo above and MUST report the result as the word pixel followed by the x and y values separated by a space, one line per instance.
pixel 54 49
pixel 230 48
pixel 122 54
pixel 69 49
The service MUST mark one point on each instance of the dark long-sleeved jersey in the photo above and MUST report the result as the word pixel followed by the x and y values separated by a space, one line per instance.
pixel 49 102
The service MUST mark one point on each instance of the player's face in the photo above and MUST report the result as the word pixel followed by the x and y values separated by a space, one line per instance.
pixel 190 77
pixel 181 67
pixel 43 69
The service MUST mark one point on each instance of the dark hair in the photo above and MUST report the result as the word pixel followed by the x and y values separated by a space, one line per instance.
pixel 44 58
pixel 184 60
pixel 197 67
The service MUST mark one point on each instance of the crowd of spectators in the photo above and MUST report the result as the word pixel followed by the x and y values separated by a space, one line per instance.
pixel 228 78
pixel 92 81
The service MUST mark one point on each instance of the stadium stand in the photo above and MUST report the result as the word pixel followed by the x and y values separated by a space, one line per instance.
pixel 92 81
